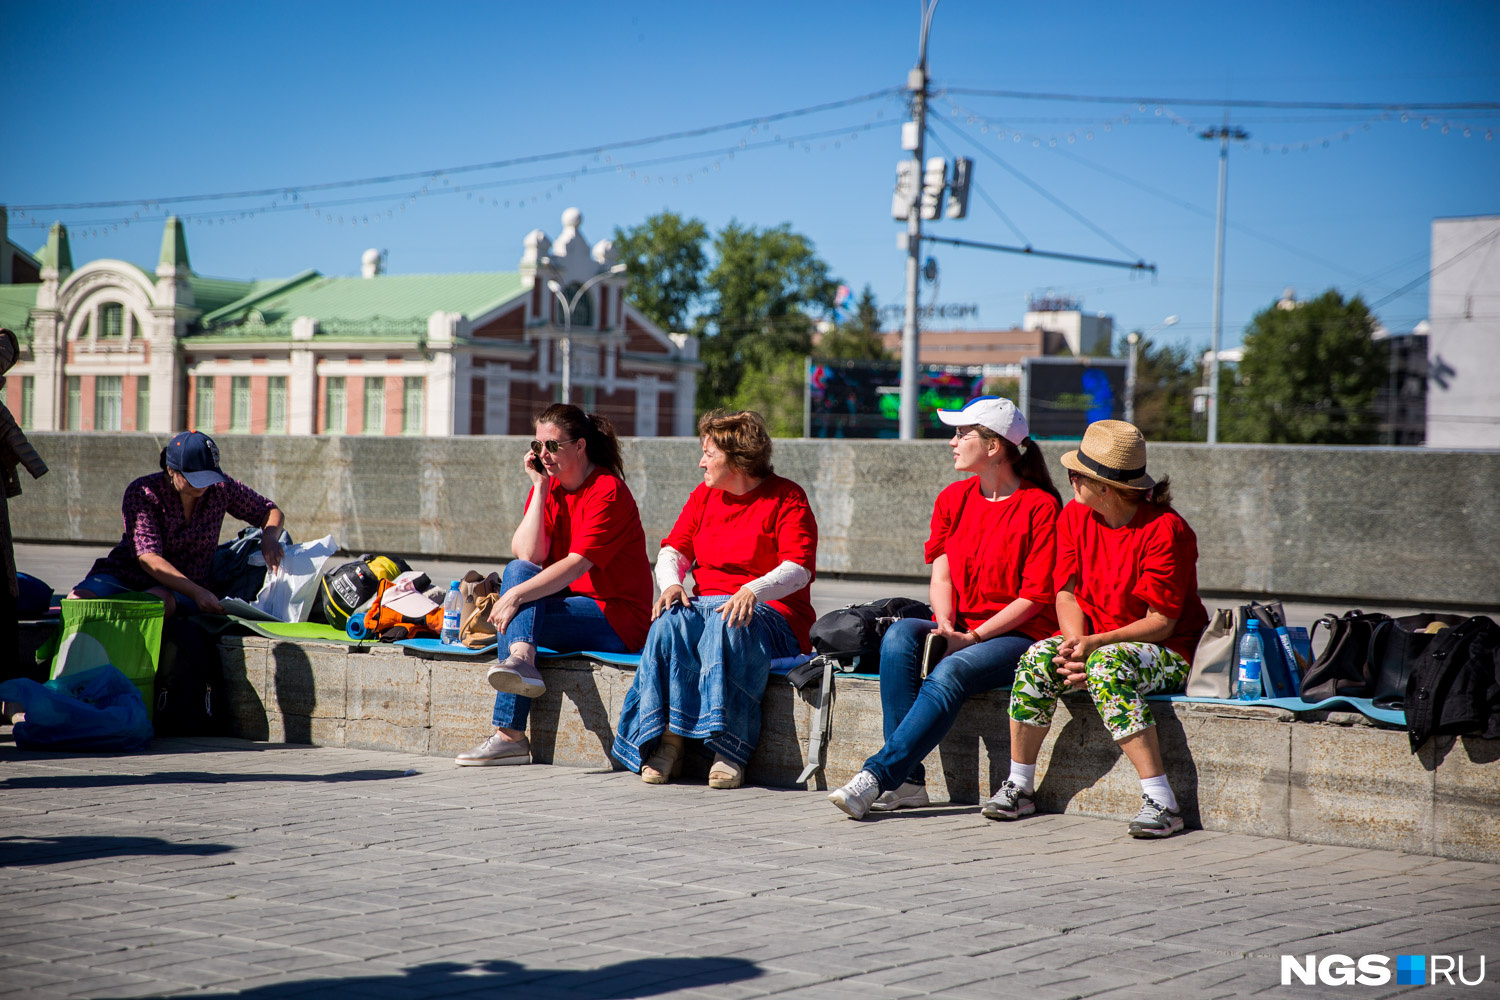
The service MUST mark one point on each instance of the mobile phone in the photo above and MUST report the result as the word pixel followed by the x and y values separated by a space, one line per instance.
pixel 536 463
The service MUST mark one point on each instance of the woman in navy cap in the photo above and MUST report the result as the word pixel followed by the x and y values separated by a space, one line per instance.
pixel 172 522
pixel 991 550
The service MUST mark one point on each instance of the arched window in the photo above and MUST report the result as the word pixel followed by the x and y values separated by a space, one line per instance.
pixel 111 321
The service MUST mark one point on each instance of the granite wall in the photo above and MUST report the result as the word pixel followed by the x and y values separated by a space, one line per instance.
pixel 1389 525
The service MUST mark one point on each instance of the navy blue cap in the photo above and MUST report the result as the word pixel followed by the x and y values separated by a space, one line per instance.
pixel 195 455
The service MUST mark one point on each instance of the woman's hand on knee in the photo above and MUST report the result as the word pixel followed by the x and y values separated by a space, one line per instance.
pixel 503 610
pixel 674 593
pixel 739 609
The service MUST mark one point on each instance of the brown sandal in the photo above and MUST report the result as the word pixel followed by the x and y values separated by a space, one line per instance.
pixel 663 765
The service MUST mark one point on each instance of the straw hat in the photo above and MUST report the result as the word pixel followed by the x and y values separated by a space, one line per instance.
pixel 1112 452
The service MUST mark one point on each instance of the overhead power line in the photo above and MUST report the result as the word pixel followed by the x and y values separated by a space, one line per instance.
pixel 284 189
pixel 1039 189
pixel 1029 95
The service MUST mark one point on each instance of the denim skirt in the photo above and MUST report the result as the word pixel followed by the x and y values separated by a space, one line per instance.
pixel 702 679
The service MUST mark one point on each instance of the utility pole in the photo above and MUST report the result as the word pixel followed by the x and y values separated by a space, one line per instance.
pixel 1223 133
pixel 910 384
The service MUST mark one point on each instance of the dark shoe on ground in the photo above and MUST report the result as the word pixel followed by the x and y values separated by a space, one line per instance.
pixel 517 675
pixel 496 750
pixel 1009 802
pixel 908 796
pixel 1155 820
pixel 855 797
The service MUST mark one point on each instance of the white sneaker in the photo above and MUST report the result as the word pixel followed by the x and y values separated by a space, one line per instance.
pixel 908 796
pixel 855 797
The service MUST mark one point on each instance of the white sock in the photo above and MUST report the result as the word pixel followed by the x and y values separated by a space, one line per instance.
pixel 1159 789
pixel 1023 776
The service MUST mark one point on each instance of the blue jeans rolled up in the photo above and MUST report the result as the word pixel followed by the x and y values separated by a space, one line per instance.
pixel 565 622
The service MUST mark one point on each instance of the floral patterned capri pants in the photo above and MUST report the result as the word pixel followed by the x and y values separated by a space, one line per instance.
pixel 1120 676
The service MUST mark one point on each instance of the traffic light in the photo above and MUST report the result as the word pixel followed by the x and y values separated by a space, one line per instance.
pixel 907 185
pixel 934 180
pixel 958 193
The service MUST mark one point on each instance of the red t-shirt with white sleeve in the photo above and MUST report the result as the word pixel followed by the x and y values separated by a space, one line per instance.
pixel 997 551
pixel 731 540
pixel 1151 562
pixel 600 521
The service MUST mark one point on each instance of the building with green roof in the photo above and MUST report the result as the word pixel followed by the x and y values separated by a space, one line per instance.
pixel 112 346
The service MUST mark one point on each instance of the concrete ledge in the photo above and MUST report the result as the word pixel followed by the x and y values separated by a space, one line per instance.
pixel 1240 770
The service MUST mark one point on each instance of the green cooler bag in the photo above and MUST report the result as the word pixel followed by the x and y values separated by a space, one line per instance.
pixel 123 631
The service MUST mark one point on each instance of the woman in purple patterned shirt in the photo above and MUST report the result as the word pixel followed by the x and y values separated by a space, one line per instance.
pixel 172 522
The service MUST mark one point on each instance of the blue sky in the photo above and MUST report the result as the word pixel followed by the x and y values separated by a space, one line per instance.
pixel 113 101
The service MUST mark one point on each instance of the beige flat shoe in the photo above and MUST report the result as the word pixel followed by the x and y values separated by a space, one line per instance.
pixel 725 773
pixel 663 765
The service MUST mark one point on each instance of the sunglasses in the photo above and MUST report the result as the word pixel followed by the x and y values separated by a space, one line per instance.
pixel 1076 478
pixel 553 447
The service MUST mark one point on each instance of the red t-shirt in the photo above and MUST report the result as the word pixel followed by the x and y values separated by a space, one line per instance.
pixel 997 552
pixel 601 522
pixel 1152 562
pixel 732 540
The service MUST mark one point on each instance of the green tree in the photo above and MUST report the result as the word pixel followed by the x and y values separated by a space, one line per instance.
pixel 765 286
pixel 1165 377
pixel 666 257
pixel 1309 375
pixel 857 338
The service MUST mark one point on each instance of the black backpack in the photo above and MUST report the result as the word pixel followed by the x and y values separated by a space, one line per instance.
pixel 852 635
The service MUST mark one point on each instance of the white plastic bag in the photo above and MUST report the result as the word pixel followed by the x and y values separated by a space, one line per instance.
pixel 288 593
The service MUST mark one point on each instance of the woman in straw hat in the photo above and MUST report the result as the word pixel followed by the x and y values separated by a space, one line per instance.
pixel 1130 618
pixel 991 551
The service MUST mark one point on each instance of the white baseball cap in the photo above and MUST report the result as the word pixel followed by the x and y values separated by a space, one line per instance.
pixel 999 415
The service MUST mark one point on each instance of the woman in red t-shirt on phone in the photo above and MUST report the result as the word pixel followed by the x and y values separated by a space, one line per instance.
pixel 991 551
pixel 580 579
pixel 1130 618
pixel 749 538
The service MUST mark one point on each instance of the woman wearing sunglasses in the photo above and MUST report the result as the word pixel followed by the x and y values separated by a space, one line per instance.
pixel 750 540
pixel 1129 614
pixel 991 551
pixel 580 579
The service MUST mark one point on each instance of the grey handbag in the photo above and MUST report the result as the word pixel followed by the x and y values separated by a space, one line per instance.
pixel 1214 666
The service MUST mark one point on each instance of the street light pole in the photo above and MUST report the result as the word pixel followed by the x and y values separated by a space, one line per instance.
pixel 568 306
pixel 1223 133
pixel 910 385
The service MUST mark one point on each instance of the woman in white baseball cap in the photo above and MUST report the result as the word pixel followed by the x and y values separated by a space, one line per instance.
pixel 1129 620
pixel 991 550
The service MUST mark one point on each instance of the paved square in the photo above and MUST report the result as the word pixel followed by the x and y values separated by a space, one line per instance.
pixel 271 872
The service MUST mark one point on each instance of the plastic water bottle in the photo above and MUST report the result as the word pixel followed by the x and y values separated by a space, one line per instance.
pixel 453 606
pixel 1252 656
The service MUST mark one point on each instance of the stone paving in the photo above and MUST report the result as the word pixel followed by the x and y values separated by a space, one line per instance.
pixel 268 872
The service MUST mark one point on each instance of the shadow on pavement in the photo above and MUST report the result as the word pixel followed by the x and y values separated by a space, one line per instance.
pixel 183 778
pixel 644 977
pixel 51 850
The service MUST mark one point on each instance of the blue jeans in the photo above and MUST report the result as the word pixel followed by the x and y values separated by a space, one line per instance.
pixel 564 622
pixel 702 679
pixel 918 714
